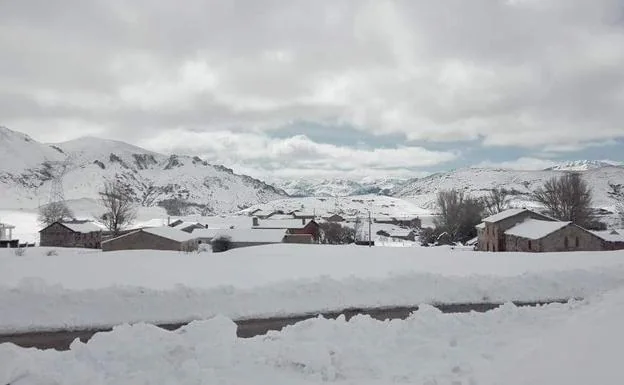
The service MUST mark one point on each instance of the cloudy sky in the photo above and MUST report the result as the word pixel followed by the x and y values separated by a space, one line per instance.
pixel 321 88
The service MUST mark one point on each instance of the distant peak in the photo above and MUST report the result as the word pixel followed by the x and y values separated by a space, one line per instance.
pixel 584 165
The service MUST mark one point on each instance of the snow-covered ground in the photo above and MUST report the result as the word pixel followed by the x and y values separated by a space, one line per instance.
pixel 571 344
pixel 82 288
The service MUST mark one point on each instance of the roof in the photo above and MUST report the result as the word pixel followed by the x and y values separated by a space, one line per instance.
pixel 84 227
pixel 504 215
pixel 282 224
pixel 480 225
pixel 169 233
pixel 254 235
pixel 610 235
pixel 6 226
pixel 401 233
pixel 206 233
pixel 536 229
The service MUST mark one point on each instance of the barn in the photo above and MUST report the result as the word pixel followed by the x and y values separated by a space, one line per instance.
pixel 84 234
pixel 152 238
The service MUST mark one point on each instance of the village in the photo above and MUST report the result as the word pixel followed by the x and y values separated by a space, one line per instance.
pixel 512 230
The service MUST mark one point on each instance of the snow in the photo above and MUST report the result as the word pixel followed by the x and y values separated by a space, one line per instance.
pixel 82 288
pixel 169 233
pixel 570 344
pixel 504 215
pixel 536 229
pixel 86 227
pixel 282 223
pixel 254 235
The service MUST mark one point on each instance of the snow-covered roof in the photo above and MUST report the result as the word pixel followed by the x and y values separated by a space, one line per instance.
pixel 480 225
pixel 84 227
pixel 254 235
pixel 6 226
pixel 610 235
pixel 169 233
pixel 282 224
pixel 504 215
pixel 536 229
pixel 184 225
pixel 206 233
pixel 401 232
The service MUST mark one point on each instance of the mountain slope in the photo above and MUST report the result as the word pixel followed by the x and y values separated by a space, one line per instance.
pixel 338 187
pixel 479 181
pixel 182 184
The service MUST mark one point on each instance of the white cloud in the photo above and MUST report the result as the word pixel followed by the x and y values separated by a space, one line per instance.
pixel 260 155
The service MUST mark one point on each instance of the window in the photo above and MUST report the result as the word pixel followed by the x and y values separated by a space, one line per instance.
pixel 529 245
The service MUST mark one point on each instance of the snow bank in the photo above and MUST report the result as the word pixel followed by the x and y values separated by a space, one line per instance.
pixel 82 288
pixel 427 348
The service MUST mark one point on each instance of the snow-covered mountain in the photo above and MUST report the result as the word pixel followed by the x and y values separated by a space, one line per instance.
pixel 479 181
pixel 338 187
pixel 189 184
pixel 584 165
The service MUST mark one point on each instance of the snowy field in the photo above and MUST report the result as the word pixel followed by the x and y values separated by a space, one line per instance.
pixel 572 344
pixel 84 288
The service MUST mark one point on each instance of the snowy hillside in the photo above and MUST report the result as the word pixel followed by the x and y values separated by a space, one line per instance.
pixel 584 165
pixel 347 206
pixel 184 183
pixel 478 181
pixel 338 187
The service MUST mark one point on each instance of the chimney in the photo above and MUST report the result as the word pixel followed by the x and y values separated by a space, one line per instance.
pixel 168 221
pixel 303 221
pixel 255 221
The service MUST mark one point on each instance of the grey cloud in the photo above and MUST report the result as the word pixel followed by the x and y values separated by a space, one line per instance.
pixel 510 72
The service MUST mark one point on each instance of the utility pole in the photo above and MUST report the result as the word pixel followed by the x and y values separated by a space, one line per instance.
pixel 369 229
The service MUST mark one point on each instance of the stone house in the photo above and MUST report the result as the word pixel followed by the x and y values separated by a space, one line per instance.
pixel 6 236
pixel 534 235
pixel 83 234
pixel 492 232
pixel 152 238
pixel 524 230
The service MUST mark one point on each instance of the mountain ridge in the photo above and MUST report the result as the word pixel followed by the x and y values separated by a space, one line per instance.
pixel 182 184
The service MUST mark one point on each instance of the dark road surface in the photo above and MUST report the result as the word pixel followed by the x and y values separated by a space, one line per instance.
pixel 60 340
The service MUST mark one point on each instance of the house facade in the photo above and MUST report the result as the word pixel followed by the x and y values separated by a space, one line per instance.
pixel 569 237
pixel 71 234
pixel 522 230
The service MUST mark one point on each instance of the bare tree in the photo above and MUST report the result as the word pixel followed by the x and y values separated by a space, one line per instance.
pixel 335 234
pixel 459 214
pixel 54 212
pixel 496 201
pixel 119 207
pixel 567 198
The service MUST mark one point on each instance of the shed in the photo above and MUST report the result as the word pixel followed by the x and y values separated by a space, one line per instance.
pixel 153 238
pixel 83 234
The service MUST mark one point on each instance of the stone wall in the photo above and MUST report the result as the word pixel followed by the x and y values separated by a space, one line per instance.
pixel 141 240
